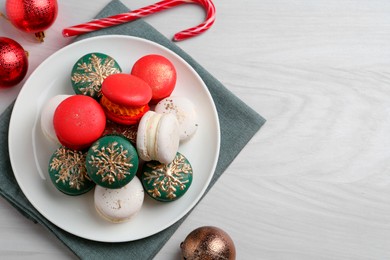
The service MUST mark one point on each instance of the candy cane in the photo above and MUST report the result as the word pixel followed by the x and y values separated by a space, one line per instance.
pixel 98 24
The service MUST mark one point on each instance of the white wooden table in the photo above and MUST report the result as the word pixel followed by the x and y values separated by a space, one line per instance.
pixel 314 183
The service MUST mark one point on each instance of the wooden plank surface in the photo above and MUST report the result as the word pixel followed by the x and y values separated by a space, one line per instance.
pixel 314 183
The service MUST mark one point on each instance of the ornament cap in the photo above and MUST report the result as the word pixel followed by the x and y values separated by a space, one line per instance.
pixel 40 36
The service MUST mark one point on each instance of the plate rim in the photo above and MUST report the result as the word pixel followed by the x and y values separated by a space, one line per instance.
pixel 112 37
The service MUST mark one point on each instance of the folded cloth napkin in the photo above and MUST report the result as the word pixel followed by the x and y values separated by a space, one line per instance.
pixel 232 113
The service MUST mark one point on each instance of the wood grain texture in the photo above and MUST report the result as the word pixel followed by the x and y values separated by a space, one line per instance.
pixel 314 183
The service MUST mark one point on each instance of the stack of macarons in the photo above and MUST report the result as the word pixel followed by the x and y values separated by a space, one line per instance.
pixel 120 134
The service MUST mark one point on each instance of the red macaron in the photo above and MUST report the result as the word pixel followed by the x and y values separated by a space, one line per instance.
pixel 125 98
pixel 79 121
pixel 158 72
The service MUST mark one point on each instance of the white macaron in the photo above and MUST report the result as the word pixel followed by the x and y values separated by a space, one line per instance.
pixel 119 205
pixel 47 117
pixel 158 137
pixel 185 113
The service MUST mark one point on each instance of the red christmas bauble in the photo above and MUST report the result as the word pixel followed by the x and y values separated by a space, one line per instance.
pixel 13 62
pixel 33 16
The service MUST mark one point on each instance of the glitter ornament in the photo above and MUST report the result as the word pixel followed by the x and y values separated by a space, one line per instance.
pixel 32 16
pixel 13 62
pixel 208 243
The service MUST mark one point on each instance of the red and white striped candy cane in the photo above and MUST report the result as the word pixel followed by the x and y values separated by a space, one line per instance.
pixel 98 24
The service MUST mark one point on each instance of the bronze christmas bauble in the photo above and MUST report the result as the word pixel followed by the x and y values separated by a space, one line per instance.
pixel 208 243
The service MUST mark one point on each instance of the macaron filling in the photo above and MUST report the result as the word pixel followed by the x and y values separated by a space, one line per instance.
pixel 152 135
pixel 124 114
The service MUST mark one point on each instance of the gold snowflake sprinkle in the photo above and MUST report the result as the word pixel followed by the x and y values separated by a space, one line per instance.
pixel 70 167
pixel 168 178
pixel 112 162
pixel 93 74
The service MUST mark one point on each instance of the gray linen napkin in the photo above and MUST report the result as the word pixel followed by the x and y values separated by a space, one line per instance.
pixel 232 113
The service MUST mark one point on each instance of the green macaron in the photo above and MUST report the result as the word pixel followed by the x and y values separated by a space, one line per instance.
pixel 89 72
pixel 68 172
pixel 167 182
pixel 112 161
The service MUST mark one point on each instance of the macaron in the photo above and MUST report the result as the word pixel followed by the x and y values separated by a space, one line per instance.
pixel 112 162
pixel 89 72
pixel 158 137
pixel 167 182
pixel 125 98
pixel 47 115
pixel 119 205
pixel 68 172
pixel 127 131
pixel 185 113
pixel 79 121
pixel 159 72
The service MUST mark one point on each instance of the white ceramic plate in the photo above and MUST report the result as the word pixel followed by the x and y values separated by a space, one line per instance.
pixel 30 150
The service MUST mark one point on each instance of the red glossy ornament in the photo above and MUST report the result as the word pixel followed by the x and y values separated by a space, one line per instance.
pixel 13 62
pixel 33 16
